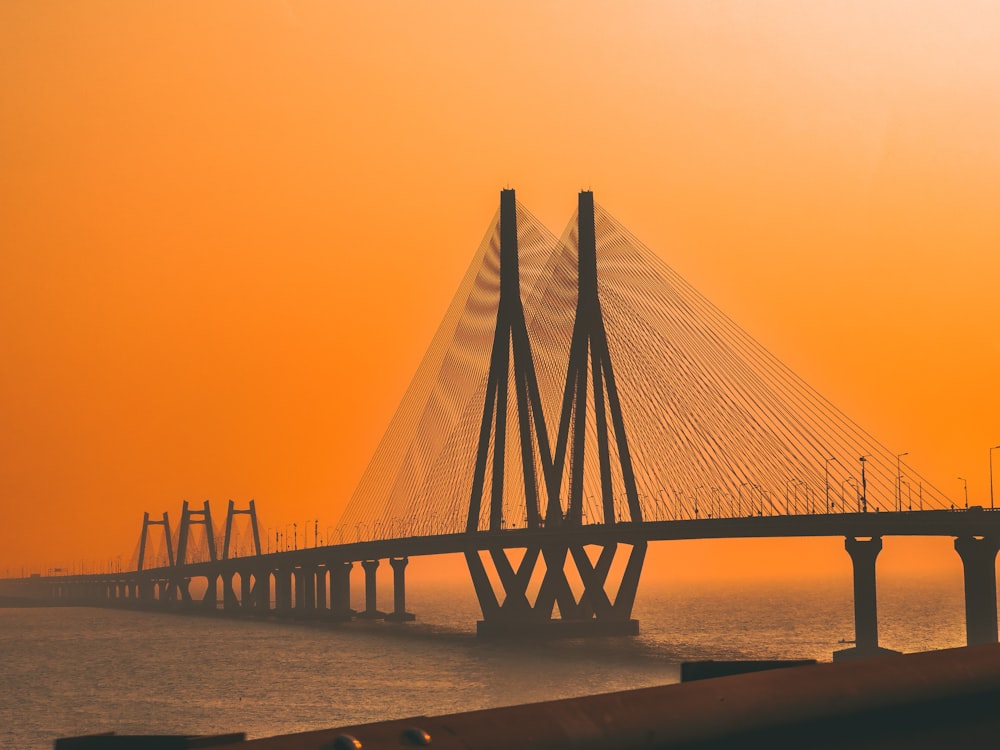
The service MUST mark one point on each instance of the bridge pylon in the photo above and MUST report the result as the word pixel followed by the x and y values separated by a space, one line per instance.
pixel 510 338
pixel 191 518
pixel 188 520
pixel 590 610
pixel 589 354
pixel 146 523
pixel 251 511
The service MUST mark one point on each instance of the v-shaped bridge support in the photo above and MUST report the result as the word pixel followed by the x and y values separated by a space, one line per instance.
pixel 510 608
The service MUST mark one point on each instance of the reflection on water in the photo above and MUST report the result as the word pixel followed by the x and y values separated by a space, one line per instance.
pixel 76 671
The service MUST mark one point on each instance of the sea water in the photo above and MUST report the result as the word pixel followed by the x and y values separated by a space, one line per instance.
pixel 71 671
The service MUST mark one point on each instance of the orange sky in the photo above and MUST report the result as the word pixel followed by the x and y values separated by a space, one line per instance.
pixel 229 229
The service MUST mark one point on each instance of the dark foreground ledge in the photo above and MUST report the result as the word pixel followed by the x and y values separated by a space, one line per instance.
pixel 934 700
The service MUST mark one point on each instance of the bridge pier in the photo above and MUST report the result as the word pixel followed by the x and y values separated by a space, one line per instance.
pixel 299 582
pixel 340 591
pixel 211 598
pixel 399 613
pixel 322 587
pixel 230 602
pixel 979 556
pixel 246 590
pixel 282 592
pixel 509 612
pixel 262 591
pixel 184 589
pixel 371 611
pixel 863 554
pixel 307 605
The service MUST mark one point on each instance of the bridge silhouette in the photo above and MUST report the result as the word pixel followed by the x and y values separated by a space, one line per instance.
pixel 578 401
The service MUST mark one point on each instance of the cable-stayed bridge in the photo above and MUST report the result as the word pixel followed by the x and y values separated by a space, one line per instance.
pixel 578 401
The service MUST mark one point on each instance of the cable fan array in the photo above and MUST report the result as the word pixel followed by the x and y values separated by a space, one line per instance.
pixel 716 425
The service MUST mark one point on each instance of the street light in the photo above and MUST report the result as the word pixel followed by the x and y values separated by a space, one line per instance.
pixel 680 509
pixel 899 476
pixel 827 466
pixel 965 485
pixel 864 485
pixel 787 483
pixel 991 474
pixel 739 498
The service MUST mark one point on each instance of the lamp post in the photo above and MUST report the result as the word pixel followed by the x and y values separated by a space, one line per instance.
pixel 787 483
pixel 827 466
pixel 965 485
pixel 991 474
pixel 899 476
pixel 864 485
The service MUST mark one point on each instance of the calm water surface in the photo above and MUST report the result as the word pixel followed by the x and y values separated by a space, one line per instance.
pixel 76 671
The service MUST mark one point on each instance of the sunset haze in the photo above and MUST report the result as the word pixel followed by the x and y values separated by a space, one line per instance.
pixel 229 230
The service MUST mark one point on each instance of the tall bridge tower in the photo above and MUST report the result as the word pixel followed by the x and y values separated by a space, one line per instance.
pixel 553 550
pixel 589 352
pixel 510 341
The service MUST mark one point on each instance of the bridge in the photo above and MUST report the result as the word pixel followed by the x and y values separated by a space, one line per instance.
pixel 579 401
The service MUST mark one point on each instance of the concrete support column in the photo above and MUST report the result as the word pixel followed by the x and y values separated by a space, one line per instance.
pixel 979 556
pixel 184 587
pixel 262 590
pixel 282 592
pixel 298 578
pixel 211 591
pixel 863 554
pixel 229 601
pixel 399 613
pixel 246 591
pixel 340 590
pixel 308 604
pixel 322 586
pixel 371 592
